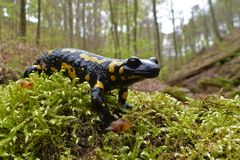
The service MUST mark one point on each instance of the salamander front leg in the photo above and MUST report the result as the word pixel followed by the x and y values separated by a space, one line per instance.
pixel 122 97
pixel 105 116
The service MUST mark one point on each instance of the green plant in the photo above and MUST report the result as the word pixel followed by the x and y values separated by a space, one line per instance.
pixel 54 120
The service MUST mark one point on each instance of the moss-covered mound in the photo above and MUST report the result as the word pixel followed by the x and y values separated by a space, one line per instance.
pixel 52 119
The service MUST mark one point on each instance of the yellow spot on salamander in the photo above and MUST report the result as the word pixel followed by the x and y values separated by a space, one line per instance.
pixel 87 77
pixel 124 95
pixel 121 70
pixel 37 66
pixel 70 70
pixel 49 52
pixel 99 85
pixel 111 67
pixel 92 59
pixel 53 69
pixel 113 78
pixel 71 50
pixel 123 78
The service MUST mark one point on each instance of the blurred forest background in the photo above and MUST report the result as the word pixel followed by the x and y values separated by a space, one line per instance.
pixel 119 28
pixel 122 28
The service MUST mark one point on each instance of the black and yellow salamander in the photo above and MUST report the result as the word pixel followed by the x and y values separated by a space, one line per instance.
pixel 103 74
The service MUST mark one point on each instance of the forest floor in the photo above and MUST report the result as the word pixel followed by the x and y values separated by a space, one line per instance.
pixel 215 71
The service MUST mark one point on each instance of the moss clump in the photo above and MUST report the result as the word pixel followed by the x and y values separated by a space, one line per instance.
pixel 219 82
pixel 45 121
pixel 53 120
pixel 164 128
pixel 179 93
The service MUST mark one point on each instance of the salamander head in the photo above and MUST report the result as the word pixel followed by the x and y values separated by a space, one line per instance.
pixel 135 68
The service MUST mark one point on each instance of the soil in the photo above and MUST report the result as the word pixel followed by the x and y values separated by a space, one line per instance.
pixel 150 85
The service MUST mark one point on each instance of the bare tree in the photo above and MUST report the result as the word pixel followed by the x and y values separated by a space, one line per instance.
pixel 174 33
pixel 70 23
pixel 114 30
pixel 77 23
pixel 135 14
pixel 127 25
pixel 0 22
pixel 96 23
pixel 206 29
pixel 65 22
pixel 22 27
pixel 157 30
pixel 84 25
pixel 38 23
pixel 215 26
pixel 229 7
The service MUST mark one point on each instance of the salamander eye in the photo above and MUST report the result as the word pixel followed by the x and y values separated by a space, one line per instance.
pixel 133 62
pixel 154 59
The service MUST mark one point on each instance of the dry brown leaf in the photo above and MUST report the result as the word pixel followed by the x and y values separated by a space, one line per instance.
pixel 25 84
pixel 119 125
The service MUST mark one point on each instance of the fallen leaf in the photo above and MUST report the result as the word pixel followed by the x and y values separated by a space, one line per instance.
pixel 25 84
pixel 119 125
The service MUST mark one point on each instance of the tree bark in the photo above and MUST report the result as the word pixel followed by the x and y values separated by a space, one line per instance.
pixel 97 24
pixel 135 14
pixel 174 34
pixel 22 27
pixel 38 23
pixel 215 26
pixel 128 40
pixel 1 23
pixel 114 27
pixel 157 31
pixel 84 25
pixel 206 30
pixel 70 23
pixel 229 9
pixel 77 23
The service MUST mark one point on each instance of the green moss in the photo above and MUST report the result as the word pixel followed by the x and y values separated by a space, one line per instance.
pixel 179 93
pixel 54 121
pixel 235 92
pixel 219 82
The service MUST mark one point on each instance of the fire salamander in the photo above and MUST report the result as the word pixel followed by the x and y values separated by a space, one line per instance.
pixel 103 74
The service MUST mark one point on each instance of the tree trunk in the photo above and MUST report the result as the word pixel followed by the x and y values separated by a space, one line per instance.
pixel 114 27
pixel 70 23
pixel 135 14
pixel 127 25
pixel 206 31
pixel 174 34
pixel 229 9
pixel 22 27
pixel 84 25
pixel 77 23
pixel 157 31
pixel 65 23
pixel 97 24
pixel 215 26
pixel 1 23
pixel 38 23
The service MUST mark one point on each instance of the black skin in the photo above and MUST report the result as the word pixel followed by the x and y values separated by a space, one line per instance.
pixel 103 74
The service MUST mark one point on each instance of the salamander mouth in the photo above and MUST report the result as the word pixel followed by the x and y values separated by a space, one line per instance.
pixel 147 74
